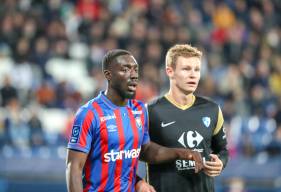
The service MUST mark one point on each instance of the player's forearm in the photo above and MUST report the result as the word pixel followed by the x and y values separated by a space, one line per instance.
pixel 154 153
pixel 219 146
pixel 223 155
pixel 74 179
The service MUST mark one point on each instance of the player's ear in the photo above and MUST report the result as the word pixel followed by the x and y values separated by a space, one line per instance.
pixel 107 74
pixel 170 71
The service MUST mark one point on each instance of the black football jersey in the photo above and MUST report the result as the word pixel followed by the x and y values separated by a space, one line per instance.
pixel 198 127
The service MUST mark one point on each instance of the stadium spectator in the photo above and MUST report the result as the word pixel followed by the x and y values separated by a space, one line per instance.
pixel 8 91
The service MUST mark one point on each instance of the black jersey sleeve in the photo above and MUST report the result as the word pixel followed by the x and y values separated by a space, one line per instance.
pixel 219 140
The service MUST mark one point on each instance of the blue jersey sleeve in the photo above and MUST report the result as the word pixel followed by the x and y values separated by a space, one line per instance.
pixel 82 131
pixel 146 137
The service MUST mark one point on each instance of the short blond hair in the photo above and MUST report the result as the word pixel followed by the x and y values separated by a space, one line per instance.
pixel 183 50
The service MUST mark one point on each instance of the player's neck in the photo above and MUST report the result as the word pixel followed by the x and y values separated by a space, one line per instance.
pixel 115 98
pixel 181 98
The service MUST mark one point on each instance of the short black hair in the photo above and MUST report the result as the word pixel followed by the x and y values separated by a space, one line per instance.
pixel 111 55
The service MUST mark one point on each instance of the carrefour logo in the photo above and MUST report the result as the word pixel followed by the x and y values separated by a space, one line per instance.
pixel 124 154
pixel 191 139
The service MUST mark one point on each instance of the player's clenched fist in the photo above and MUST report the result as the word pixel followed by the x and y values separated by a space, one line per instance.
pixel 186 154
pixel 143 186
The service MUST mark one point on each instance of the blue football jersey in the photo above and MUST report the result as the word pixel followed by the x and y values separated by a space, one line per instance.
pixel 112 137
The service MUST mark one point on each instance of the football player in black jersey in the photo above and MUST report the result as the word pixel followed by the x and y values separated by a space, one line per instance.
pixel 182 119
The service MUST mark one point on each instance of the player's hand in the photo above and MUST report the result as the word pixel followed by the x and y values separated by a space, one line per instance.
pixel 187 154
pixel 143 186
pixel 214 167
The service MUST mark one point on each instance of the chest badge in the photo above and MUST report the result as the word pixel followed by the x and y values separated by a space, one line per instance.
pixel 206 121
pixel 138 122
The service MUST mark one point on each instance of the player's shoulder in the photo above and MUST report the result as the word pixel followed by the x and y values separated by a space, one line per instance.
pixel 85 108
pixel 157 101
pixel 203 100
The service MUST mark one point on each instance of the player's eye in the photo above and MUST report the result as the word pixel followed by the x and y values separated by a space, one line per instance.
pixel 125 69
pixel 136 69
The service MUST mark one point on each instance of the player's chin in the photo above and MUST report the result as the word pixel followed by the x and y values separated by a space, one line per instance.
pixel 191 89
pixel 130 94
pixel 188 90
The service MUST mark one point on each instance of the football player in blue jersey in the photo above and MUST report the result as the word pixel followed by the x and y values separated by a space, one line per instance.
pixel 110 133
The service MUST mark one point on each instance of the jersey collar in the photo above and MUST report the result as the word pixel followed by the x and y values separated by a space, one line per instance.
pixel 109 103
pixel 182 107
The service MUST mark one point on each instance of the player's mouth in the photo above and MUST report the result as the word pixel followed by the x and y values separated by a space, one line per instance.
pixel 191 83
pixel 132 87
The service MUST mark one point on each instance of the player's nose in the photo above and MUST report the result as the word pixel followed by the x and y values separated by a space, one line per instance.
pixel 134 74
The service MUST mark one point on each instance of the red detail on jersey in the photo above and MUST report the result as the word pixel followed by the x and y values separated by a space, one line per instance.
pixel 83 141
pixel 104 149
pixel 85 128
pixel 88 173
pixel 118 167
pixel 135 144
pixel 139 107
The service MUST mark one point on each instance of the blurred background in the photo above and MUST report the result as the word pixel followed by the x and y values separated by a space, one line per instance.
pixel 50 64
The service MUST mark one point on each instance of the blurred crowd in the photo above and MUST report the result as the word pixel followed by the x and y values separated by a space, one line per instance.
pixel 51 52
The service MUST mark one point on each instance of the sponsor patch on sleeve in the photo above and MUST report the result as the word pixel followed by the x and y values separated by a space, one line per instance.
pixel 75 134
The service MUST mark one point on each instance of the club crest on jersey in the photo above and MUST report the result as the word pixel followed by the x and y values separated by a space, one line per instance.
pixel 206 121
pixel 75 134
pixel 138 122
